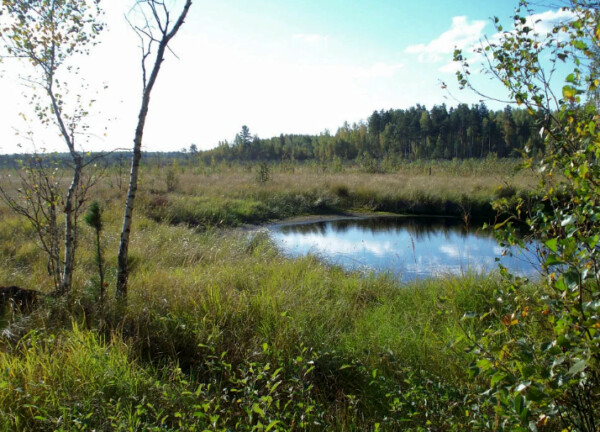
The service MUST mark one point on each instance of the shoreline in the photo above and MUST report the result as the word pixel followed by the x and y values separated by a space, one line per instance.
pixel 354 215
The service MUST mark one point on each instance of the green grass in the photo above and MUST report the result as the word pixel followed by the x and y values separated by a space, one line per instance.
pixel 71 381
pixel 221 332
pixel 229 196
pixel 215 311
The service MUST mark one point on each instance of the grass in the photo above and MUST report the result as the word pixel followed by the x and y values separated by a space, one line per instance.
pixel 221 332
pixel 215 311
pixel 229 196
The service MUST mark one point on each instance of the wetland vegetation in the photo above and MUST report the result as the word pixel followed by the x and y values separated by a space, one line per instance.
pixel 223 331
pixel 190 319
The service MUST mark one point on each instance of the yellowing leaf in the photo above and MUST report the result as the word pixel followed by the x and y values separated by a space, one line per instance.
pixel 510 320
pixel 568 92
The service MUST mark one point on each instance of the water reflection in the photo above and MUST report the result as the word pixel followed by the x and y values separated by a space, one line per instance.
pixel 417 226
pixel 409 247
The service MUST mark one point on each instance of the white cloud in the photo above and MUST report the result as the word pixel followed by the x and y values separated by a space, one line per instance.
pixel 462 34
pixel 540 23
pixel 543 23
pixel 451 251
pixel 319 244
pixel 450 67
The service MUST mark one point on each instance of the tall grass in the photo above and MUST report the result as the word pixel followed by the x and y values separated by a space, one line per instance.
pixel 229 196
pixel 222 195
pixel 221 332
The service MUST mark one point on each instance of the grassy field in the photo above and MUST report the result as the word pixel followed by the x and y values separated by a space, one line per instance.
pixel 221 332
pixel 229 196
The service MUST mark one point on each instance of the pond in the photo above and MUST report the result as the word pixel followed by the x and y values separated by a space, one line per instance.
pixel 408 247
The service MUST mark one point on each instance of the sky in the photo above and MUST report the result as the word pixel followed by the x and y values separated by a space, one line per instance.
pixel 277 66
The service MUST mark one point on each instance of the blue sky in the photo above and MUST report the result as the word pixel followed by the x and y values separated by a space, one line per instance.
pixel 278 66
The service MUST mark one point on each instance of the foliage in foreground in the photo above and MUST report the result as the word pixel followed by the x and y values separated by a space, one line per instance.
pixel 222 332
pixel 78 382
pixel 536 379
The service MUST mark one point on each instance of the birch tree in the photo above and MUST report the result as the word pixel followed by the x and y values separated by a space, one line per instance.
pixel 157 29
pixel 540 349
pixel 47 34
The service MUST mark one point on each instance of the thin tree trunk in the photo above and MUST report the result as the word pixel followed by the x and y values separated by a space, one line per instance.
pixel 100 265
pixel 123 256
pixel 55 264
pixel 70 208
pixel 70 227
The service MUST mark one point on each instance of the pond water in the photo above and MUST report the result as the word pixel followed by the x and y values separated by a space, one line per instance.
pixel 408 247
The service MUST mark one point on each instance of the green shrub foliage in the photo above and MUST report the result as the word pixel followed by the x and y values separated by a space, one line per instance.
pixel 541 352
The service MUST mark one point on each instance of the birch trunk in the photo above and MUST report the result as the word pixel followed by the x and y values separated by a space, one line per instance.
pixel 166 36
pixel 70 208
pixel 70 235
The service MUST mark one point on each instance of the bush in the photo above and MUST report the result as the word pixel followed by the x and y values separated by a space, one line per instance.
pixel 541 352
pixel 263 173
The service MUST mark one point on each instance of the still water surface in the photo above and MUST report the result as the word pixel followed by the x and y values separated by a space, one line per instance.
pixel 408 247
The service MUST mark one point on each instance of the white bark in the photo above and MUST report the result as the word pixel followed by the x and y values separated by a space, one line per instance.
pixel 166 35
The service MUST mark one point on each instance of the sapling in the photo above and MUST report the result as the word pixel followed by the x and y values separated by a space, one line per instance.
pixel 93 218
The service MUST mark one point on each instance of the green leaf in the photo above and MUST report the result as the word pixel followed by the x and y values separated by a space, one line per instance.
pixel 272 425
pixel 518 403
pixel 552 259
pixel 578 367
pixel 572 279
pixel 535 395
pixel 552 245
pixel 484 364
pixel 497 377
pixel 501 224
pixel 258 410
pixel 592 241
pixel 524 415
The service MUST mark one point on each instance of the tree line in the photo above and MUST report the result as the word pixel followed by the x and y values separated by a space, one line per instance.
pixel 415 133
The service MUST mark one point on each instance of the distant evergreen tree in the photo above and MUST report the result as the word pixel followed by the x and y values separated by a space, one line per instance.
pixel 414 133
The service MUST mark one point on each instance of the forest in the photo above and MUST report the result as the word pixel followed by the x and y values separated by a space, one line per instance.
pixel 459 132
pixel 387 138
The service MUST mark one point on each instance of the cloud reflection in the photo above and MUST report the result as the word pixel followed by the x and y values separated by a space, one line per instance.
pixel 406 248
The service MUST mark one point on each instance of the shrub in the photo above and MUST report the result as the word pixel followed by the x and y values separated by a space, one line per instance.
pixel 263 173
pixel 541 352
